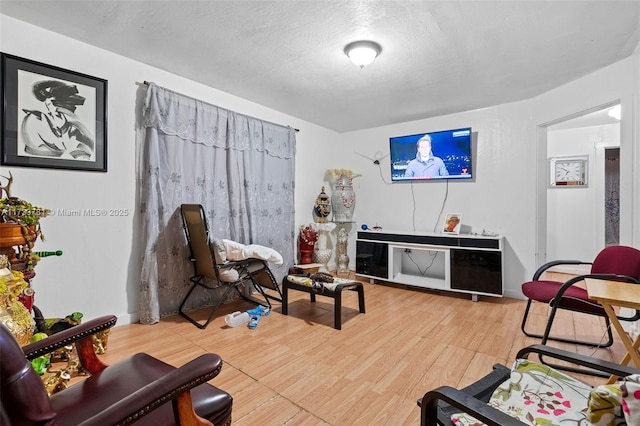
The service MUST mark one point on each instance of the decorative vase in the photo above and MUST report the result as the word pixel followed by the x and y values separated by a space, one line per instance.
pixel 322 207
pixel 306 254
pixel 343 199
pixel 322 253
pixel 322 256
pixel 306 243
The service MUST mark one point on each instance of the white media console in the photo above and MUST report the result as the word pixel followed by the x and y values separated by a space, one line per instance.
pixel 463 263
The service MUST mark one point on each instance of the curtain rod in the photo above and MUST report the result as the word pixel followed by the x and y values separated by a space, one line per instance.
pixel 147 83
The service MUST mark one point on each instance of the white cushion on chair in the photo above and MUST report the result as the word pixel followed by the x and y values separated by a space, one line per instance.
pixel 225 250
pixel 229 275
pixel 238 251
pixel 219 251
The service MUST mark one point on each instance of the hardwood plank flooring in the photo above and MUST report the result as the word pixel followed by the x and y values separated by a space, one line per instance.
pixel 298 370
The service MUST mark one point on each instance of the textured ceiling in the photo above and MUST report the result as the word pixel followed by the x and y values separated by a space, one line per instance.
pixel 438 57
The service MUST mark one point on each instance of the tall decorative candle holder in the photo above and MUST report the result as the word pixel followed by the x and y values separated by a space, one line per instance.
pixel 342 258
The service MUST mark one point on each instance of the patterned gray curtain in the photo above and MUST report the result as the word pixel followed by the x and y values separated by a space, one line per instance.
pixel 239 168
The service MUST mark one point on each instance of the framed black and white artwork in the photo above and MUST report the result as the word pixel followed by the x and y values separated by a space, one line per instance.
pixel 52 117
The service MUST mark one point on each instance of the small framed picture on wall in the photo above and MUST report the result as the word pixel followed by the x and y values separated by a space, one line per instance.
pixel 52 117
pixel 452 223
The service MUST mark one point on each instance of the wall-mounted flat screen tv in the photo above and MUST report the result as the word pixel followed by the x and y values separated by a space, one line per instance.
pixel 431 156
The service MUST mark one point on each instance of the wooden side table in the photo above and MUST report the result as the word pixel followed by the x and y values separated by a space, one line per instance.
pixel 624 295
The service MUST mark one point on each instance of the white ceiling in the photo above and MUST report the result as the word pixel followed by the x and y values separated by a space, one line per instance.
pixel 438 57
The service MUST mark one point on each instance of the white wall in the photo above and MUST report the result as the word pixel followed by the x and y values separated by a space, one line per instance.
pixel 98 273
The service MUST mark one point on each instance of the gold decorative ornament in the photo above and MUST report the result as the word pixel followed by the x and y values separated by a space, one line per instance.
pixel 100 341
pixel 13 314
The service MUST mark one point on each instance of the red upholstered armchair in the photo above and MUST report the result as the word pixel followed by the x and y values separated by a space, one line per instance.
pixel 617 263
pixel 140 389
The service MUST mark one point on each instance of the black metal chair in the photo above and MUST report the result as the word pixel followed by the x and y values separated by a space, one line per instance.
pixel 230 275
pixel 438 405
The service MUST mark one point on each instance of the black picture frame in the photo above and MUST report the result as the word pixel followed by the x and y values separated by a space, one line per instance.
pixel 52 117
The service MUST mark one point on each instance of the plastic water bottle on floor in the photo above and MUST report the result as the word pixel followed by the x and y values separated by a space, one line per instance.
pixel 236 318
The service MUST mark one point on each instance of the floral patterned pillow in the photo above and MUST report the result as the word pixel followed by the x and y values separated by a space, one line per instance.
pixel 617 404
pixel 630 389
pixel 537 394
pixel 605 406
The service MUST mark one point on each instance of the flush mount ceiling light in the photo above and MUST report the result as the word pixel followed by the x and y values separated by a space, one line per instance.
pixel 362 53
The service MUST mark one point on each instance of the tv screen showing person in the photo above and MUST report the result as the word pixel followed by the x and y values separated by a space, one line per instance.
pixel 425 164
pixel 431 156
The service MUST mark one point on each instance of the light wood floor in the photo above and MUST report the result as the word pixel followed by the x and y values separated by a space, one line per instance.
pixel 299 370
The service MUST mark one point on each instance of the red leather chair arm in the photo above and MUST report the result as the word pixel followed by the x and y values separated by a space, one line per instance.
pixel 162 391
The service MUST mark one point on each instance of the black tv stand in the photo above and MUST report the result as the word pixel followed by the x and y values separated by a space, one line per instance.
pixel 463 263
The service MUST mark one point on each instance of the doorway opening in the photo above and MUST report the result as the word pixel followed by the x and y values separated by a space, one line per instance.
pixel 582 219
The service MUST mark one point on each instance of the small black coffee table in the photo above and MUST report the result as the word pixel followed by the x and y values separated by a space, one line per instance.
pixel 323 291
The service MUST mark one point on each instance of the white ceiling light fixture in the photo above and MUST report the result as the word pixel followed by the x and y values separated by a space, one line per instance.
pixel 362 53
pixel 615 112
